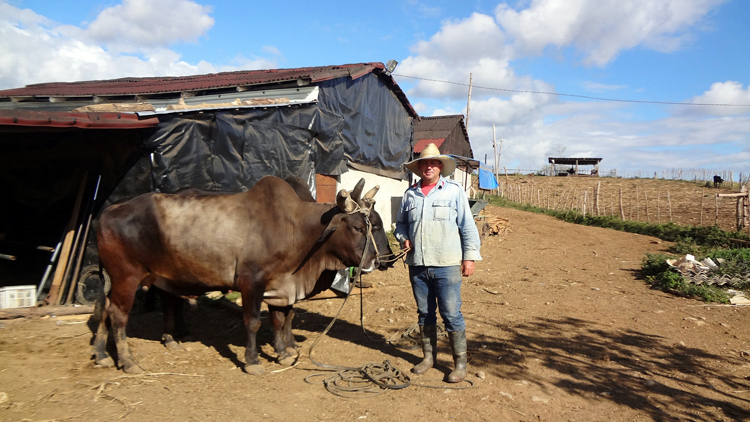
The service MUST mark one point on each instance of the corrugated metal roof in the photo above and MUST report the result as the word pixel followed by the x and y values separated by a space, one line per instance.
pixel 438 127
pixel 200 83
pixel 57 119
pixel 422 143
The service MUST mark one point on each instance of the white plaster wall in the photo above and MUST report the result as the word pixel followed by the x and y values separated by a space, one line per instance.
pixel 388 198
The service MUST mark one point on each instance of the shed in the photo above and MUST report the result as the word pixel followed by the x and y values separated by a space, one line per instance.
pixel 328 125
pixel 575 164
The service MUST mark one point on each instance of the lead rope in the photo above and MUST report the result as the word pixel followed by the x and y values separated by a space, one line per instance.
pixel 373 378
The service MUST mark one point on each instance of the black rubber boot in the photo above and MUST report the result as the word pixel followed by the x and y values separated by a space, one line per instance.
pixel 458 346
pixel 429 348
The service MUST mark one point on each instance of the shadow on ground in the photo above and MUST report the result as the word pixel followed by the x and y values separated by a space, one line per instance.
pixel 627 367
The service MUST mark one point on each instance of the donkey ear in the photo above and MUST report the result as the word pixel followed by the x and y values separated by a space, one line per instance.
pixel 332 226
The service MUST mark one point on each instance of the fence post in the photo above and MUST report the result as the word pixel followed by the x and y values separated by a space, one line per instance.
pixel 596 198
pixel 658 206
pixel 645 195
pixel 716 201
pixel 622 212
pixel 669 206
pixel 585 200
pixel 702 195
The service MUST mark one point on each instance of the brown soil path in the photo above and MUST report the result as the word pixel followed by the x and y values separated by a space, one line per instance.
pixel 560 328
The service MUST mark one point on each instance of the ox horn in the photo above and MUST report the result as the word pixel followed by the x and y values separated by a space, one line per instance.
pixel 358 190
pixel 345 202
pixel 371 193
pixel 368 200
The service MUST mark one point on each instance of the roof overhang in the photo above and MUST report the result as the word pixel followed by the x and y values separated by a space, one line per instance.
pixel 58 119
pixel 574 161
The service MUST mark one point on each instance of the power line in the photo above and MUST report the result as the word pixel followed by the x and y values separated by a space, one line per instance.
pixel 575 95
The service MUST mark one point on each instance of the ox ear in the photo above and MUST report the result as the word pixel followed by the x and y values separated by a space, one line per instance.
pixel 344 201
pixel 332 226
pixel 357 192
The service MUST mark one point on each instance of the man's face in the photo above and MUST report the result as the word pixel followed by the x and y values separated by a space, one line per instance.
pixel 430 170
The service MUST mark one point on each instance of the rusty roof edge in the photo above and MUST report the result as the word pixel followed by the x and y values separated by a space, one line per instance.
pixel 61 119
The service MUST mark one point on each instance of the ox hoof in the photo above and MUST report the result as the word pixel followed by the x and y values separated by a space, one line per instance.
pixel 133 369
pixel 287 361
pixel 173 345
pixel 105 363
pixel 256 369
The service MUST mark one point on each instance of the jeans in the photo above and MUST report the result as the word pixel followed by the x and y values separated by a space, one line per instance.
pixel 438 288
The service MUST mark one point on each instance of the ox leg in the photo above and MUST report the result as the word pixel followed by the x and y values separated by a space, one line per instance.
pixel 174 320
pixel 281 319
pixel 121 301
pixel 251 302
pixel 101 358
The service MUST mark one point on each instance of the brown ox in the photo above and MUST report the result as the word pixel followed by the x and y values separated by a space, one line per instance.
pixel 266 243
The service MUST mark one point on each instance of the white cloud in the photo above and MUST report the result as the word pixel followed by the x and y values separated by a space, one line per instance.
pixel 729 92
pixel 136 24
pixel 34 49
pixel 473 45
pixel 601 29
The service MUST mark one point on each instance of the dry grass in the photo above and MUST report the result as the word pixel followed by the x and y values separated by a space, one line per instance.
pixel 646 200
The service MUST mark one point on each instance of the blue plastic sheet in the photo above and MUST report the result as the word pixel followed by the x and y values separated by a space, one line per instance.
pixel 487 179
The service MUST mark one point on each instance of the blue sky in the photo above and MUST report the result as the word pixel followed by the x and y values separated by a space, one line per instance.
pixel 681 51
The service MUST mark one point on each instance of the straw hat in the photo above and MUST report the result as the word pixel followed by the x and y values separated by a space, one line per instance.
pixel 432 152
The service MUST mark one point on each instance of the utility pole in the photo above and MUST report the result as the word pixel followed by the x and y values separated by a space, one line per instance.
pixel 468 102
pixel 494 147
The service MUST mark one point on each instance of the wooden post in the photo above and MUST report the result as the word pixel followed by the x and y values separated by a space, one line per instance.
pixel 636 203
pixel 560 199
pixel 658 207
pixel 585 200
pixel 596 197
pixel 716 202
pixel 739 212
pixel 62 262
pixel 669 206
pixel 468 101
pixel 702 195
pixel 630 206
pixel 622 211
pixel 645 196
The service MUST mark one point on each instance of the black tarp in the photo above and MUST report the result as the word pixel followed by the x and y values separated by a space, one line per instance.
pixel 354 121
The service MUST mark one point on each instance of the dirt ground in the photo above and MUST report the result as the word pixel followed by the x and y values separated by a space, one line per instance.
pixel 560 328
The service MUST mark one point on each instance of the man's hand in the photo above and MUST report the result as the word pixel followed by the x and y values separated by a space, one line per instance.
pixel 467 268
pixel 407 245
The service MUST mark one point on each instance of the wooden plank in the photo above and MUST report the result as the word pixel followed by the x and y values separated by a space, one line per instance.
pixel 62 262
pixel 45 311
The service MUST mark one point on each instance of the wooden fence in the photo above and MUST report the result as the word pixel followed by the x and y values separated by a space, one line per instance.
pixel 660 205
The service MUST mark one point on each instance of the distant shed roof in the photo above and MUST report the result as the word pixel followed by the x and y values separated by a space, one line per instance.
pixel 574 161
pixel 437 127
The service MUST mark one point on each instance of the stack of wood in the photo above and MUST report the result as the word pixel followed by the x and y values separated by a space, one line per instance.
pixel 498 226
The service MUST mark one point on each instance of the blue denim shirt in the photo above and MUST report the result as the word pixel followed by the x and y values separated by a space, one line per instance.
pixel 440 225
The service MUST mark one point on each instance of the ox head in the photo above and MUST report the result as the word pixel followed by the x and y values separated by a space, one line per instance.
pixel 360 231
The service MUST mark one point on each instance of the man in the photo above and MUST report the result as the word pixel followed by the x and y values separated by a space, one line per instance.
pixel 435 223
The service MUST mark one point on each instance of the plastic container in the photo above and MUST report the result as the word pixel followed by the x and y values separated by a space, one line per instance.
pixel 17 297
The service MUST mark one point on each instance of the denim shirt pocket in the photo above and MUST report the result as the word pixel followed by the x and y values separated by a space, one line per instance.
pixel 410 208
pixel 441 210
